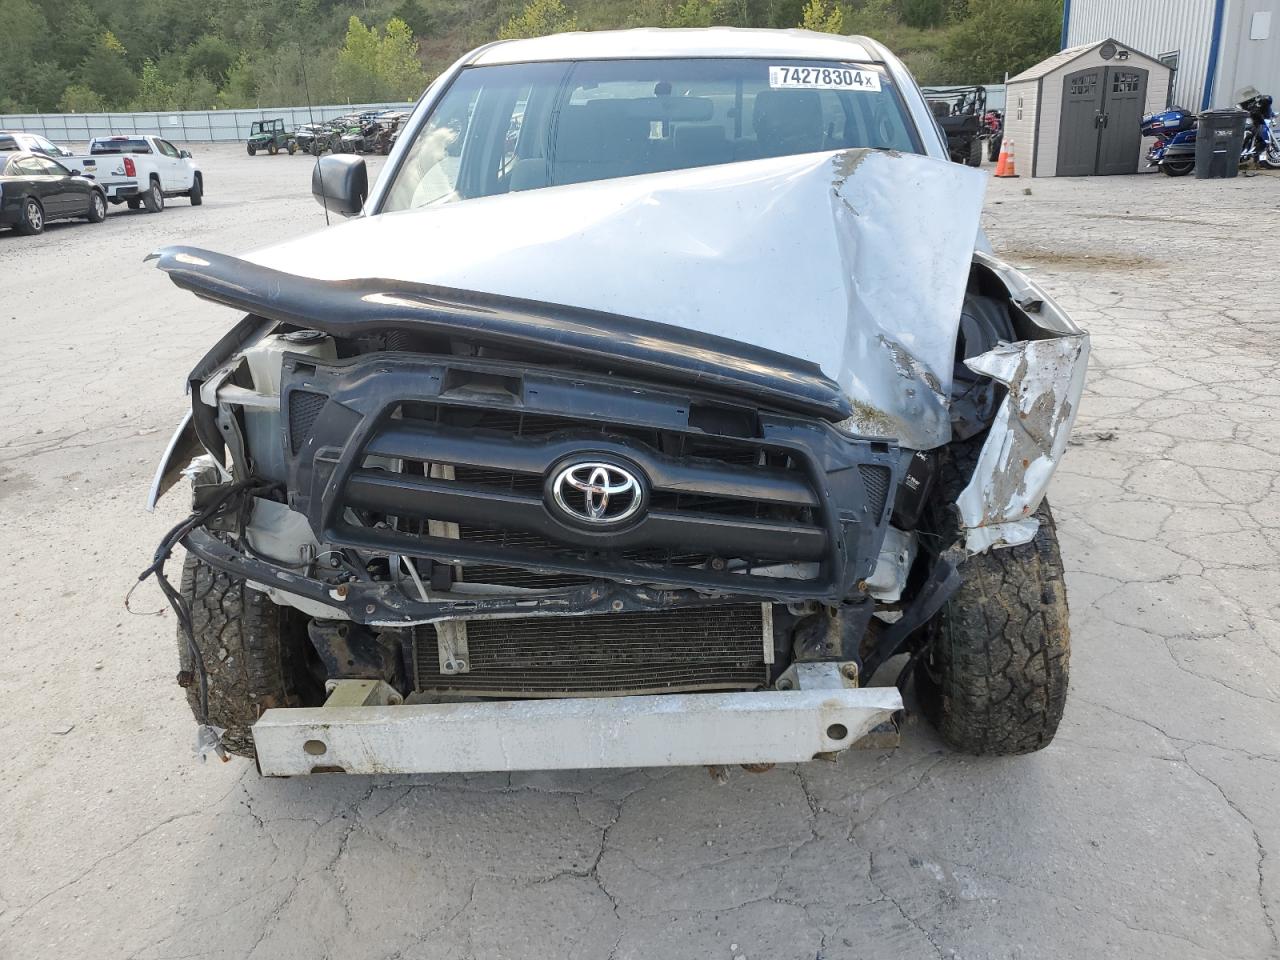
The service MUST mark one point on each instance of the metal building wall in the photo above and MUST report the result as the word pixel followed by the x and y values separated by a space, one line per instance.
pixel 1250 50
pixel 1154 27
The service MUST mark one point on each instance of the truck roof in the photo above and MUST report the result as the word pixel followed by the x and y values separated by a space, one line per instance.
pixel 654 42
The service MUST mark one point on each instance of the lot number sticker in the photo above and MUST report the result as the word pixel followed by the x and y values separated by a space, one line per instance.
pixel 824 78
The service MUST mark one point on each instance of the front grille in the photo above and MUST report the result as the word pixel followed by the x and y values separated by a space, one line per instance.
pixel 528 579
pixel 725 505
pixel 699 648
pixel 452 459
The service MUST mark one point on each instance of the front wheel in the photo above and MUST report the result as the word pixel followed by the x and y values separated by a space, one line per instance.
pixel 97 208
pixel 254 654
pixel 196 193
pixel 1177 168
pixel 993 148
pixel 292 147
pixel 153 199
pixel 252 149
pixel 272 148
pixel 994 678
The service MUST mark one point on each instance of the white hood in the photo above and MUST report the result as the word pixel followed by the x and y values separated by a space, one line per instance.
pixel 856 261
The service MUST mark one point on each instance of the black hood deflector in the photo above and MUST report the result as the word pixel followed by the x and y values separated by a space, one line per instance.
pixel 603 341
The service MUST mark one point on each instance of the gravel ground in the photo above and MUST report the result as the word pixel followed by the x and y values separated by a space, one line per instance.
pixel 1148 828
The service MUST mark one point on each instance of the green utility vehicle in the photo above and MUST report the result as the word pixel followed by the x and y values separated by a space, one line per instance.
pixel 269 135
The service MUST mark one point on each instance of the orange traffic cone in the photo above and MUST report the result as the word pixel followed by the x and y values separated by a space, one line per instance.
pixel 1005 166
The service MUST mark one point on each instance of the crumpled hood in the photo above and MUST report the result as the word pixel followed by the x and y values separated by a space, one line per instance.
pixel 856 261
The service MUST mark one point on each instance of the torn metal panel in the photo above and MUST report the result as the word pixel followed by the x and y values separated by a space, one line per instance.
pixel 1045 379
pixel 854 261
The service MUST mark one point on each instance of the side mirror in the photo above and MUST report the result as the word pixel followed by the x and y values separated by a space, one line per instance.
pixel 76 173
pixel 185 154
pixel 340 182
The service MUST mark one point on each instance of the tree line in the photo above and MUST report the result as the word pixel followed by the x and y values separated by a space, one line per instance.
pixel 100 55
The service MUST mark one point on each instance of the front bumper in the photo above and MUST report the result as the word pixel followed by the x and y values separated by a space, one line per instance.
pixel 570 734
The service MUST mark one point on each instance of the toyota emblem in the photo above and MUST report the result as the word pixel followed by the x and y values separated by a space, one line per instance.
pixel 597 493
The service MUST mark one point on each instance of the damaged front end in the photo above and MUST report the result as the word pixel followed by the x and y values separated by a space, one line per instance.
pixel 519 521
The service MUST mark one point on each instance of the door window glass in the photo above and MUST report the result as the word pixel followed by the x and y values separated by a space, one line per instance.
pixel 31 167
pixel 168 149
pixel 1123 82
pixel 1084 84
pixel 52 168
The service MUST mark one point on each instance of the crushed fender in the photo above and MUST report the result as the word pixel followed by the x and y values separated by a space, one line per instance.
pixel 1045 379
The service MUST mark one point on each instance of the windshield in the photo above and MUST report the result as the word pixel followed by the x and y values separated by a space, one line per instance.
pixel 530 125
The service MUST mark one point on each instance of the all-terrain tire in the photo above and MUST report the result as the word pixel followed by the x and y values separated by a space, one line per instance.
pixel 994 678
pixel 250 649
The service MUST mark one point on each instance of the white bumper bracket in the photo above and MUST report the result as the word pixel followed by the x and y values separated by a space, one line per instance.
pixel 586 733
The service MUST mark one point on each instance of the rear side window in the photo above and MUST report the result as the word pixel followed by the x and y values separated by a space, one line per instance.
pixel 51 167
pixel 8 143
pixel 524 126
pixel 126 145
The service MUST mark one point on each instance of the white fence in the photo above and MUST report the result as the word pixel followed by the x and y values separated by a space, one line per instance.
pixel 183 125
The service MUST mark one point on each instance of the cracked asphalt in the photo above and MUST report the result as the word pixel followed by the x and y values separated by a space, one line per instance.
pixel 1148 829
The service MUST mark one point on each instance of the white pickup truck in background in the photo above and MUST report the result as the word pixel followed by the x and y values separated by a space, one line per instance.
pixel 140 170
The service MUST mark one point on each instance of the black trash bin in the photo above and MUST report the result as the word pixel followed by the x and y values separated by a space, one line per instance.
pixel 1219 140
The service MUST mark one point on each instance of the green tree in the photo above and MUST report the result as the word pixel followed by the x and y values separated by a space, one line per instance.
pixel 106 72
pixel 538 19
pixel 922 14
pixel 78 98
pixel 241 88
pixel 823 17
pixel 415 13
pixel 1000 36
pixel 356 71
pixel 400 73
pixel 210 57
pixel 154 91
pixel 691 13
pixel 24 40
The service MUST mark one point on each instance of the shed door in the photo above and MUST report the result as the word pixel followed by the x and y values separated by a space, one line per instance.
pixel 1123 103
pixel 1079 131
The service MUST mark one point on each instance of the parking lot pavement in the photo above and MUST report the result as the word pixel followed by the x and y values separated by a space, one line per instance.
pixel 1147 829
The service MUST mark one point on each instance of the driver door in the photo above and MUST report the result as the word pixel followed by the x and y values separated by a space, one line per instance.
pixel 177 173
pixel 50 188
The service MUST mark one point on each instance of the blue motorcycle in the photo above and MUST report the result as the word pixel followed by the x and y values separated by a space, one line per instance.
pixel 1262 138
pixel 1174 148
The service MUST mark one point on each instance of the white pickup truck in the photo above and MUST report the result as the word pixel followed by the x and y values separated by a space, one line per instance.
pixel 141 170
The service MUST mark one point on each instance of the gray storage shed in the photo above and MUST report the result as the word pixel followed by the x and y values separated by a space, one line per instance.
pixel 1216 47
pixel 1078 113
